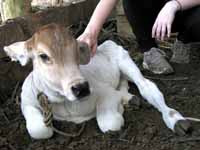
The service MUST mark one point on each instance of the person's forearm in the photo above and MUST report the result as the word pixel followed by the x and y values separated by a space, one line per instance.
pixel 101 12
pixel 186 4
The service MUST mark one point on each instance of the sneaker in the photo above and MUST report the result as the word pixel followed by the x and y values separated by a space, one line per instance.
pixel 154 61
pixel 181 52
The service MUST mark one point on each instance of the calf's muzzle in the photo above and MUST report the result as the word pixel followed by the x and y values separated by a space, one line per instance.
pixel 81 90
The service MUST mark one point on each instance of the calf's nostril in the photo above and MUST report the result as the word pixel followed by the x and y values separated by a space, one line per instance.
pixel 81 90
pixel 76 90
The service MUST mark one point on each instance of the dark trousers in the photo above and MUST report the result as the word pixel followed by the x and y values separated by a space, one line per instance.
pixel 141 15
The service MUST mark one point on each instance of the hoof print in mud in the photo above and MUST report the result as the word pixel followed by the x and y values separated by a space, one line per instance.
pixel 182 127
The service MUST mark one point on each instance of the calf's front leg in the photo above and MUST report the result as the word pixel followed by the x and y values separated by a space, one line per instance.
pixel 32 111
pixel 109 110
pixel 35 123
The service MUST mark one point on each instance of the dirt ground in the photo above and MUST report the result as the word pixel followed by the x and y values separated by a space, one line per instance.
pixel 144 128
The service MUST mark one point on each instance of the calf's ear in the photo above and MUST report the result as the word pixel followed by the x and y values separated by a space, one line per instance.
pixel 84 53
pixel 18 52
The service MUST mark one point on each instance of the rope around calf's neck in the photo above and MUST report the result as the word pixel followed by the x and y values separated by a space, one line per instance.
pixel 48 116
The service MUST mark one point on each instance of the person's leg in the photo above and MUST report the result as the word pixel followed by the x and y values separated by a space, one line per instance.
pixel 187 25
pixel 189 30
pixel 141 15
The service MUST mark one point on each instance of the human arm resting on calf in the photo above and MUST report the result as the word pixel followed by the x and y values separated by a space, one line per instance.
pixel 101 12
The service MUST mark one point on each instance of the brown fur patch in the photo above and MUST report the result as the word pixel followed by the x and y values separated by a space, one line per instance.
pixel 172 113
pixel 57 39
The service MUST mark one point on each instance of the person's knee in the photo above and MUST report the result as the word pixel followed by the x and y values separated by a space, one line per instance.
pixel 195 31
pixel 191 34
pixel 192 30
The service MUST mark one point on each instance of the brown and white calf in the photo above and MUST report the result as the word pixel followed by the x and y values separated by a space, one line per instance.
pixel 80 92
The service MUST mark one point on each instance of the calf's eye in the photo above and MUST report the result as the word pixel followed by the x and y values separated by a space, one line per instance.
pixel 44 57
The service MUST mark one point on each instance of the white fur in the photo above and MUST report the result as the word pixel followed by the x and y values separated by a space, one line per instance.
pixel 107 74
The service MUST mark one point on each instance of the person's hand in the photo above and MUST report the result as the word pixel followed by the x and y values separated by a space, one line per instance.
pixel 163 23
pixel 101 12
pixel 90 39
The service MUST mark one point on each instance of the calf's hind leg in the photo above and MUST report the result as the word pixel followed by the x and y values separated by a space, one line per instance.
pixel 127 98
pixel 172 118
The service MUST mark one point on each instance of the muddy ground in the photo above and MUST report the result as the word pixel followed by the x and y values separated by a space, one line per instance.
pixel 144 128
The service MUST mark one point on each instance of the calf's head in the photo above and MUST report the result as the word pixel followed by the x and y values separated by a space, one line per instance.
pixel 56 56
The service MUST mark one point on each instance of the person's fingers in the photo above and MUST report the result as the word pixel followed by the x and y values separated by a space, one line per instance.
pixel 93 50
pixel 158 31
pixel 154 29
pixel 85 39
pixel 163 32
pixel 81 38
pixel 168 30
pixel 89 43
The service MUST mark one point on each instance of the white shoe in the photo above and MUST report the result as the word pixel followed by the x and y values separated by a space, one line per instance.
pixel 181 52
pixel 154 61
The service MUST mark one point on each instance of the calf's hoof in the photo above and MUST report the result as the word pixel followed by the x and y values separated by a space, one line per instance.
pixel 182 127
